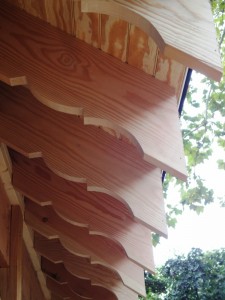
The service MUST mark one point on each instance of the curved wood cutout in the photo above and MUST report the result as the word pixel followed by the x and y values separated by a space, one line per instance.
pixel 82 154
pixel 72 77
pixel 99 250
pixel 81 286
pixel 80 267
pixel 62 289
pixel 100 213
pixel 182 31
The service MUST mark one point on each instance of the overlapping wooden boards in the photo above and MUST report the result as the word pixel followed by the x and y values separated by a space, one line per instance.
pixel 35 130
pixel 192 22
pixel 99 212
pixel 82 287
pixel 80 267
pixel 73 77
pixel 111 34
pixel 99 250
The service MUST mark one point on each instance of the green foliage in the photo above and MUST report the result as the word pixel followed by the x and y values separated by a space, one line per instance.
pixel 198 276
pixel 203 125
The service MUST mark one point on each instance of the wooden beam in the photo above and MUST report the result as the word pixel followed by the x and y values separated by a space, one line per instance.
pixel 73 77
pixel 80 267
pixel 98 249
pixel 183 30
pixel 11 277
pixel 16 200
pixel 5 212
pixel 64 142
pixel 98 212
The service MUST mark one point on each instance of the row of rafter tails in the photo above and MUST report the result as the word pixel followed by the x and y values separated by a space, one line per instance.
pixel 111 34
pixel 98 249
pixel 188 20
pixel 100 213
pixel 73 77
pixel 99 275
pixel 82 287
pixel 64 142
pixel 66 291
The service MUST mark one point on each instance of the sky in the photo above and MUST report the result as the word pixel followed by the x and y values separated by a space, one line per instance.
pixel 205 231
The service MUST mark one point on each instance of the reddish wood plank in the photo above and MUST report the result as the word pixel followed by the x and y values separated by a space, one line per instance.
pixel 5 213
pixel 78 266
pixel 81 286
pixel 73 77
pixel 64 142
pixel 77 240
pixel 99 212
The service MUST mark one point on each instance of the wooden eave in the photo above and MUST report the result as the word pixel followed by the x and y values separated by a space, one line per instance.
pixel 88 120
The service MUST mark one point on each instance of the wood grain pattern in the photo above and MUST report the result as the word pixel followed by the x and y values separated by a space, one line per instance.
pixel 87 26
pixel 143 50
pixel 165 23
pixel 80 267
pixel 34 130
pixel 62 289
pixel 98 212
pixel 81 286
pixel 17 200
pixel 73 77
pixel 77 240
pixel 114 37
pixel 5 213
pixel 171 72
pixel 31 288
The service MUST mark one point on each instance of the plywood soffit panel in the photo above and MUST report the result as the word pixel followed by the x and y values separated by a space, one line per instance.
pixel 183 30
pixel 72 77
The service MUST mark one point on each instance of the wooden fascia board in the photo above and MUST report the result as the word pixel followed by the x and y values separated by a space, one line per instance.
pixel 183 30
pixel 73 77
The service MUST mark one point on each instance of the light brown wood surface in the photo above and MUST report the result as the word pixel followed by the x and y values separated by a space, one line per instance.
pixel 192 22
pixel 80 286
pixel 100 213
pixel 99 250
pixel 73 77
pixel 64 142
pixel 5 214
pixel 78 266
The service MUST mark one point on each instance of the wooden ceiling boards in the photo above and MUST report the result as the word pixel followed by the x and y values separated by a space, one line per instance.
pixel 75 78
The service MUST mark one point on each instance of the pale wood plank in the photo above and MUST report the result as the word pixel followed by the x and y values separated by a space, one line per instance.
pixel 98 212
pixel 34 130
pixel 171 72
pixel 114 37
pixel 75 78
pixel 61 14
pixel 183 30
pixel 78 266
pixel 142 51
pixel 87 26
pixel 77 240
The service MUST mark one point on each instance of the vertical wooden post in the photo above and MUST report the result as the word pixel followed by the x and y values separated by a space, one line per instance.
pixel 11 277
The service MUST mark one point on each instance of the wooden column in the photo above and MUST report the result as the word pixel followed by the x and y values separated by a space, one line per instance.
pixel 11 277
